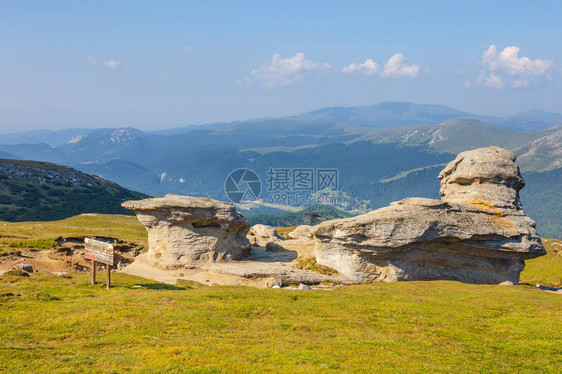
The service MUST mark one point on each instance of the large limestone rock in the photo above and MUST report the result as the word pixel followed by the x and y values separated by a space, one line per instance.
pixel 477 233
pixel 185 230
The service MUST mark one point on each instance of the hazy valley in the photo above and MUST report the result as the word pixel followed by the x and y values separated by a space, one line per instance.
pixel 384 153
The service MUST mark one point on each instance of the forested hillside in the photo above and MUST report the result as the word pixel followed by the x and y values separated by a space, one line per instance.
pixel 41 191
pixel 313 214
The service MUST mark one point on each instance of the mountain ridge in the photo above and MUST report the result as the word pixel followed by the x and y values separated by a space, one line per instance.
pixel 382 115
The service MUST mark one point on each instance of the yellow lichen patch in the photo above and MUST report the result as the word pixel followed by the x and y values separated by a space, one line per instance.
pixel 485 205
pixel 495 215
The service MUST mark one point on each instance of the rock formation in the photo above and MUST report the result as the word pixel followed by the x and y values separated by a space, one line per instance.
pixel 185 230
pixel 477 232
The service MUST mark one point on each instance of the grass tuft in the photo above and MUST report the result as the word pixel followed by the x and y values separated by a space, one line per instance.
pixel 309 263
pixel 33 243
pixel 10 252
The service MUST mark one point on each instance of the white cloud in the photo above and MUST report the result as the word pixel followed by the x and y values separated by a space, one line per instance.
pixel 369 67
pixel 396 62
pixel 187 48
pixel 508 69
pixel 282 71
pixel 394 66
pixel 112 64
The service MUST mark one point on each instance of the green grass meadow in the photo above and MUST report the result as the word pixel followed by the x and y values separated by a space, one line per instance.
pixel 54 324
pixel 64 325
pixel 545 270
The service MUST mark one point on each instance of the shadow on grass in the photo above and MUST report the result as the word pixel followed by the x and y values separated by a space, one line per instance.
pixel 541 287
pixel 158 286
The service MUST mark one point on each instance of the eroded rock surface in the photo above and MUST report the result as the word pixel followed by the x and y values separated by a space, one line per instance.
pixel 486 176
pixel 477 233
pixel 184 230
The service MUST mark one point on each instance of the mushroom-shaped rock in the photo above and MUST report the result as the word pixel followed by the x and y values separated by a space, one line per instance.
pixel 183 230
pixel 477 233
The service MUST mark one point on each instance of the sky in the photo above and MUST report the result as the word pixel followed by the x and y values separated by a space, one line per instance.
pixel 110 64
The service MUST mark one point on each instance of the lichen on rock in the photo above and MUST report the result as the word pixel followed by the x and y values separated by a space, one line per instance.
pixel 477 232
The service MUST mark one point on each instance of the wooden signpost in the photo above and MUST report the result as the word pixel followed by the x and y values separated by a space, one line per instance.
pixel 99 251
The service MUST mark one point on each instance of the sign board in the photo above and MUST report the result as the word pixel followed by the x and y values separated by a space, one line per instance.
pixel 98 251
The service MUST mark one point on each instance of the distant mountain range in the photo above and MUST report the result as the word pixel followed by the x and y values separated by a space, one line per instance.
pixel 390 114
pixel 383 115
pixel 383 152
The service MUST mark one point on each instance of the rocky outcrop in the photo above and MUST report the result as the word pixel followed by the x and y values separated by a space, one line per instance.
pixel 184 230
pixel 477 232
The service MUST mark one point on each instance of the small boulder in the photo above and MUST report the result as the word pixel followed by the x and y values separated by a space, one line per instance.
pixel 24 266
pixel 303 286
pixel 275 283
pixel 264 231
pixel 301 232
pixel 263 234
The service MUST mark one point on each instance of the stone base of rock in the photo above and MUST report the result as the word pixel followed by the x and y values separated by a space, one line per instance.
pixel 422 265
pixel 260 269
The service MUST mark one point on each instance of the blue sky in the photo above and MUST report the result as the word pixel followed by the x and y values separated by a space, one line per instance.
pixel 87 64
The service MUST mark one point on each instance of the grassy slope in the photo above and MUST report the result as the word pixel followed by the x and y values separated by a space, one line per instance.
pixel 546 270
pixel 118 226
pixel 31 190
pixel 399 327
